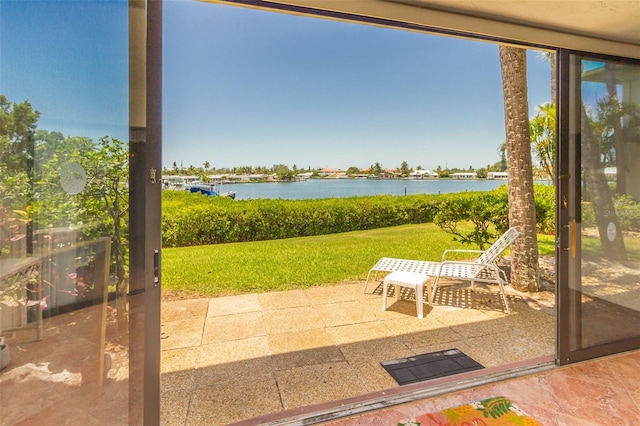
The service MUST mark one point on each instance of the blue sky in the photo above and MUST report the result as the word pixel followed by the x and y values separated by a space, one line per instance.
pixel 69 59
pixel 245 87
pixel 274 88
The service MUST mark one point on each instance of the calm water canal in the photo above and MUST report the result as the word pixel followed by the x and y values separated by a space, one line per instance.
pixel 340 188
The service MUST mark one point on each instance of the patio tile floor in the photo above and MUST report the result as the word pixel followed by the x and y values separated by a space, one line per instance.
pixel 223 363
pixel 255 355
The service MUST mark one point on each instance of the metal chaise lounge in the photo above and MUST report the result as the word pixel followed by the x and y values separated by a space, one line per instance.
pixel 484 269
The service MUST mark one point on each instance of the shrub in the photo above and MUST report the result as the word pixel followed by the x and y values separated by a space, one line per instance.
pixel 488 212
pixel 626 210
pixel 545 199
pixel 195 219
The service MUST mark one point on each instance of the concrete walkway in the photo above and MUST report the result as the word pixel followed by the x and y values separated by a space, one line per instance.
pixel 232 358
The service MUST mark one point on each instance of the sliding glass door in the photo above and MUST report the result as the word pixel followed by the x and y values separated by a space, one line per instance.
pixel 599 215
pixel 79 302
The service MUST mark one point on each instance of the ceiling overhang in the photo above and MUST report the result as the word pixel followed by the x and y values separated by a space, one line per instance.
pixel 607 27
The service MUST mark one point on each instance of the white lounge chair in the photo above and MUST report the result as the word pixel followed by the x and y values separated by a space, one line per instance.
pixel 484 269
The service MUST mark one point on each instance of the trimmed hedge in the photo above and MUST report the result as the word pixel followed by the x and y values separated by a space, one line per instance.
pixel 194 219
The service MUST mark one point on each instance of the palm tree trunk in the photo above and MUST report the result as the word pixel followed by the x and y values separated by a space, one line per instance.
pixel 618 140
pixel 525 271
pixel 600 195
pixel 553 77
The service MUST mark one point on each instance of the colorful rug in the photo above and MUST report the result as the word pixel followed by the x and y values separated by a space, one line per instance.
pixel 496 411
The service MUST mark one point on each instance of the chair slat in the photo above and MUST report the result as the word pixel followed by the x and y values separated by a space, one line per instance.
pixel 483 269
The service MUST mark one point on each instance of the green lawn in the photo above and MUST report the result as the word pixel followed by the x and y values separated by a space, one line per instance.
pixel 250 267
pixel 592 248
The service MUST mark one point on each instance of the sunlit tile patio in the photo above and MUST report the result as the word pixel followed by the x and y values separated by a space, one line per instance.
pixel 232 358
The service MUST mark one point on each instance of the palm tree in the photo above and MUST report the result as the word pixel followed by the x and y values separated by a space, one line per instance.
pixel 551 57
pixel 599 192
pixel 525 271
pixel 404 169
pixel 543 138
pixel 616 127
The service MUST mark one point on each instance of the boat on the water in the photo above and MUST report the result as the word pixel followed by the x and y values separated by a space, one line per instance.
pixel 210 189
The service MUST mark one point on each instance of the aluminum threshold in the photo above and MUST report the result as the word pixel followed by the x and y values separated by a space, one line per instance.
pixel 401 395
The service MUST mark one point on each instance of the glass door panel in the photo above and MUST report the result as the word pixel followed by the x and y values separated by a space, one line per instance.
pixel 600 309
pixel 64 208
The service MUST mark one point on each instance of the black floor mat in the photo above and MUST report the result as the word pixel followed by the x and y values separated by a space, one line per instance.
pixel 430 366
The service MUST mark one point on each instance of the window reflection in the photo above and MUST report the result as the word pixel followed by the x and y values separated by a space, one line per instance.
pixel 610 243
pixel 63 212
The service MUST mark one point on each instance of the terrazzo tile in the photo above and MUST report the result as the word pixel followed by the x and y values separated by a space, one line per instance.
pixel 178 359
pixel 523 316
pixel 494 314
pixel 292 319
pixel 482 328
pixel 405 325
pixel 462 317
pixel 233 305
pixel 341 313
pixel 283 299
pixel 299 348
pixel 373 375
pixel 360 294
pixel 233 327
pixel 223 402
pixel 418 339
pixel 376 350
pixel 234 360
pixel 299 340
pixel 479 349
pixel 374 286
pixel 181 334
pixel 310 360
pixel 244 369
pixel 175 394
pixel 289 360
pixel 234 350
pixel 405 307
pixel 358 332
pixel 314 384
pixel 395 308
pixel 183 309
pixel 491 301
pixel 331 294
pixel 452 295
pixel 522 343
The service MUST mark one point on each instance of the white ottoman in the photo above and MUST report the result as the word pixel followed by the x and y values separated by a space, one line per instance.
pixel 413 280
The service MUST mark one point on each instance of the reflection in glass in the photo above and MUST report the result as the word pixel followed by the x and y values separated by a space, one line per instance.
pixel 609 236
pixel 63 212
